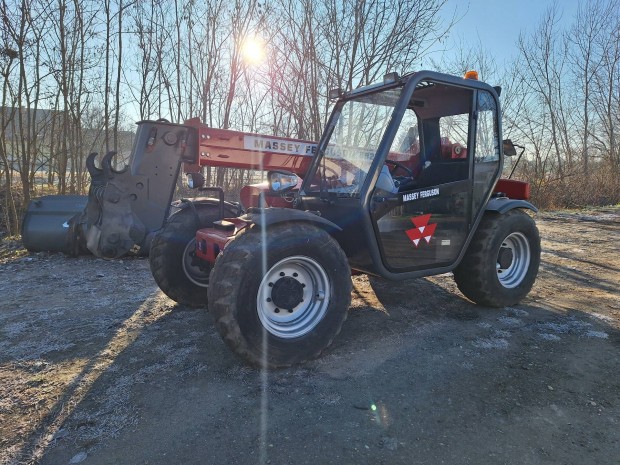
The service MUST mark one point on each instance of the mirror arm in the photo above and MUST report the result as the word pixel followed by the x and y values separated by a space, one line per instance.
pixel 518 159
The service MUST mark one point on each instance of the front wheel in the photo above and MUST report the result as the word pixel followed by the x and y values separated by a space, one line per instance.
pixel 280 298
pixel 501 263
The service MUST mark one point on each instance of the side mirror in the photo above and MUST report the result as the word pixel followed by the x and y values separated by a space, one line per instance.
pixel 509 148
pixel 282 181
pixel 335 94
pixel 195 180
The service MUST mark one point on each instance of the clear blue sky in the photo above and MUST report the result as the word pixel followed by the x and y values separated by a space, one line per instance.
pixel 496 24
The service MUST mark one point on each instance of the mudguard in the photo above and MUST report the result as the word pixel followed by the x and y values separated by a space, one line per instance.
pixel 275 215
pixel 182 205
pixel 504 204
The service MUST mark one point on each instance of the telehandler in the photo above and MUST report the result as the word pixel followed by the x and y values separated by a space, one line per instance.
pixel 404 183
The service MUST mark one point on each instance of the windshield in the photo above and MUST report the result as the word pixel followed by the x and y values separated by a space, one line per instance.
pixel 353 143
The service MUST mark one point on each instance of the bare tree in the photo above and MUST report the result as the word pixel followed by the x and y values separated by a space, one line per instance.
pixel 318 46
pixel 69 67
pixel 541 71
pixel 7 114
pixel 24 38
pixel 606 91
pixel 583 58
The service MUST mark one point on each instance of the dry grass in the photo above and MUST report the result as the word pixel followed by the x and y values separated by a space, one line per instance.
pixel 601 187
pixel 11 248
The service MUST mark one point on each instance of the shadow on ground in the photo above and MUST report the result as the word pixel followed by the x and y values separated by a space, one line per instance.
pixel 118 373
pixel 427 374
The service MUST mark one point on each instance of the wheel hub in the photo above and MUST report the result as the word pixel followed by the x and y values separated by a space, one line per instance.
pixel 504 257
pixel 513 260
pixel 287 293
pixel 293 297
pixel 194 269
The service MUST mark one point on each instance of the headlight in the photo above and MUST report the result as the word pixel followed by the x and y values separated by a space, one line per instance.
pixel 195 180
pixel 280 181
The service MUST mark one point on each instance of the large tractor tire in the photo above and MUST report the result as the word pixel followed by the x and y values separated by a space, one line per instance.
pixel 171 256
pixel 280 298
pixel 501 263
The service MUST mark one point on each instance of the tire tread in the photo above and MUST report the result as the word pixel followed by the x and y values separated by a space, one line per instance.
pixel 473 276
pixel 223 303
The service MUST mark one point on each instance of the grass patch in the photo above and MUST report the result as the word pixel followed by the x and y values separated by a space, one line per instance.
pixel 11 248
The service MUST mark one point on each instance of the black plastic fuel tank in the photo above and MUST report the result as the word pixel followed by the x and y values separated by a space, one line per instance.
pixel 46 225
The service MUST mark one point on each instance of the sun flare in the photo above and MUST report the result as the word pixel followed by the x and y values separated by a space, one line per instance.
pixel 253 50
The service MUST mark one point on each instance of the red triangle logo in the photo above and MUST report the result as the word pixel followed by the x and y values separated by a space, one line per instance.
pixel 421 221
pixel 422 229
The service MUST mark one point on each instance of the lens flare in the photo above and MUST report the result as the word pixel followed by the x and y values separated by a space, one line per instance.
pixel 253 50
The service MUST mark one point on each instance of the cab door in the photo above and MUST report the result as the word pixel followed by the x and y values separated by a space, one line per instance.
pixel 424 222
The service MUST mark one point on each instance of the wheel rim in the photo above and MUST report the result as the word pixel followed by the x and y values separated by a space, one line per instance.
pixel 513 260
pixel 293 297
pixel 197 275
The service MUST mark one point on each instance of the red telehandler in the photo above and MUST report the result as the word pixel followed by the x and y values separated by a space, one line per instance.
pixel 404 183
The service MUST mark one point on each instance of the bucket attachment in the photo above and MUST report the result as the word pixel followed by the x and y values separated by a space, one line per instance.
pixel 124 207
pixel 51 223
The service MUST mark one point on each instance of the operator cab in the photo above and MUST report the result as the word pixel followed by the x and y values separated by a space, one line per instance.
pixel 406 169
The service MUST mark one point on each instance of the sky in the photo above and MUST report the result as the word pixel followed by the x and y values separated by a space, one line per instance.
pixel 496 24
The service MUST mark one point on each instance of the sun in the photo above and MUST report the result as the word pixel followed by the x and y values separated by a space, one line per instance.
pixel 253 50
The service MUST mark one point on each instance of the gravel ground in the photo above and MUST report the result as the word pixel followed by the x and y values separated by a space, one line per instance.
pixel 98 367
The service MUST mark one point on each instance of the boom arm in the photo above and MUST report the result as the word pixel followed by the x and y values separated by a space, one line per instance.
pixel 125 207
pixel 234 149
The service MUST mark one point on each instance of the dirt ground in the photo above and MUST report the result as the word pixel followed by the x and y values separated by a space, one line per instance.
pixel 98 367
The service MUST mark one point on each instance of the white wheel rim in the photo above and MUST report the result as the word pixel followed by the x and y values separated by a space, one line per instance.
pixel 513 260
pixel 194 273
pixel 293 297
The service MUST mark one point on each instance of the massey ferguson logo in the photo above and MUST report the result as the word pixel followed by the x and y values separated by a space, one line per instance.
pixel 269 144
pixel 422 229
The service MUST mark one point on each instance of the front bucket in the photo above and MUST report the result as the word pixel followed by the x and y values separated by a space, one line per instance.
pixel 47 225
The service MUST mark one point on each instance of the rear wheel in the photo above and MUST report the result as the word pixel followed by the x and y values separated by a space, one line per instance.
pixel 177 272
pixel 501 263
pixel 285 306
